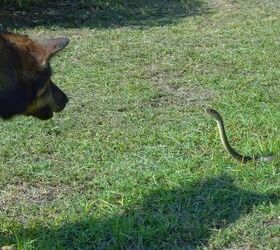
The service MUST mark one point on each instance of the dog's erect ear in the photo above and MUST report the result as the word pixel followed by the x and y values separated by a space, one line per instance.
pixel 53 45
pixel 48 47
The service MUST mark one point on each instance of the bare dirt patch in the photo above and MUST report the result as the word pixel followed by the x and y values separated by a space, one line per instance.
pixel 173 95
pixel 223 4
pixel 182 96
pixel 25 193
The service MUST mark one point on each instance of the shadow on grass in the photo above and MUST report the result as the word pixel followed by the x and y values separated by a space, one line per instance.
pixel 165 219
pixel 99 14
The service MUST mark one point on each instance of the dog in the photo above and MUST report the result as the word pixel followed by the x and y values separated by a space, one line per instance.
pixel 26 87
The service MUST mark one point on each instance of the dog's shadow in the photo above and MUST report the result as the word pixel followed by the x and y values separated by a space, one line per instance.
pixel 99 14
pixel 182 218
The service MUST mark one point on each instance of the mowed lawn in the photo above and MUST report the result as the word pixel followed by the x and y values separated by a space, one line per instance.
pixel 133 162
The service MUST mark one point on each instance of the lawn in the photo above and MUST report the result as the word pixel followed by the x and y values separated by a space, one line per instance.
pixel 133 162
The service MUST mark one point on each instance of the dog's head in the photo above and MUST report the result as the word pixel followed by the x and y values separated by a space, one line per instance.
pixel 33 92
pixel 48 97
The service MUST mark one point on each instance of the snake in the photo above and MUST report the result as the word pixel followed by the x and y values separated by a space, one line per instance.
pixel 232 152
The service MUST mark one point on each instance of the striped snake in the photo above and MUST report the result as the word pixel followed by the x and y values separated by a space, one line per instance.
pixel 239 157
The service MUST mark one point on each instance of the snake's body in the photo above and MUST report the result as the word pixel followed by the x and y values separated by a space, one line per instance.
pixel 242 158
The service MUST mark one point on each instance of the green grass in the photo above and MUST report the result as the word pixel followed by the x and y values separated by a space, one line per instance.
pixel 133 162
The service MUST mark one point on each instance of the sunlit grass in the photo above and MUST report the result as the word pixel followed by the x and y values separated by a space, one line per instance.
pixel 133 162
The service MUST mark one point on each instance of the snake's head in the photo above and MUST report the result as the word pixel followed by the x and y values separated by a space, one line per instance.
pixel 212 112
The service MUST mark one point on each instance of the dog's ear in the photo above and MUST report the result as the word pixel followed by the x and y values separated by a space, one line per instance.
pixel 52 45
pixel 44 49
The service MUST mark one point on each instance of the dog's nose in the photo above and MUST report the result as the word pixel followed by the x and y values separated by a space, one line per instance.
pixel 66 99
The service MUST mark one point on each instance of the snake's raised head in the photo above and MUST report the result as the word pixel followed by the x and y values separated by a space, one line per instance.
pixel 212 112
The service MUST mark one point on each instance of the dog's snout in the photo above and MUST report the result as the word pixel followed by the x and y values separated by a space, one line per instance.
pixel 65 98
pixel 60 99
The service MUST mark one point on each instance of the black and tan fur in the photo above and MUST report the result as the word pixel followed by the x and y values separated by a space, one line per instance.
pixel 25 77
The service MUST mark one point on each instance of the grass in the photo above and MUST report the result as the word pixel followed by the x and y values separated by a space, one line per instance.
pixel 133 162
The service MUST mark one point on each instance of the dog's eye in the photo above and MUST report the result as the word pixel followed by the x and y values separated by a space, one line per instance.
pixel 43 90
